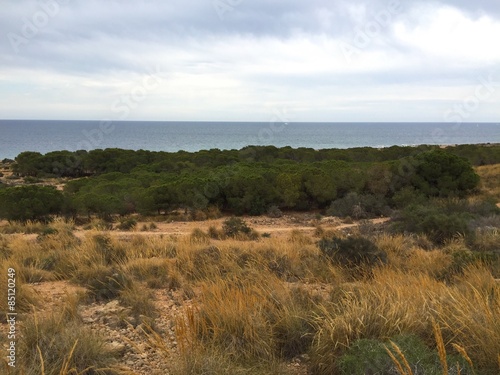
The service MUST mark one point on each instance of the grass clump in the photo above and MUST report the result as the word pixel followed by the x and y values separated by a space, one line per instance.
pixel 103 283
pixel 61 344
pixel 158 273
pixel 108 252
pixel 140 302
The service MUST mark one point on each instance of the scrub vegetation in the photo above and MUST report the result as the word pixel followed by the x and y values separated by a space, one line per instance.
pixel 341 291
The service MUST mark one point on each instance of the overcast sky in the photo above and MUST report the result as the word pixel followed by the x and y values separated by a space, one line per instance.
pixel 244 60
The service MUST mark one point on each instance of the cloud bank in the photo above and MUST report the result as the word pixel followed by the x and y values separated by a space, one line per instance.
pixel 242 60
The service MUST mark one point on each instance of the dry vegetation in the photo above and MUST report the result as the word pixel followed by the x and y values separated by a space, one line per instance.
pixel 252 305
pixel 199 299
pixel 490 179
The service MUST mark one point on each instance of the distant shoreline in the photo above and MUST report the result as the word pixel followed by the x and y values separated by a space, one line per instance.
pixel 48 136
pixel 443 146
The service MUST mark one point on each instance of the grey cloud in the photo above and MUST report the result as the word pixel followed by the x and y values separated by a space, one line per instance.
pixel 91 38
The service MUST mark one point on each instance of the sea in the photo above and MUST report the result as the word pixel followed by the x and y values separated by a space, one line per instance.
pixel 44 136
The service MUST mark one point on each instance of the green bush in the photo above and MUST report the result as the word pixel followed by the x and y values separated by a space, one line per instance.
pixel 437 225
pixel 29 203
pixel 235 226
pixel 439 173
pixel 127 224
pixel 352 251
pixel 359 206
pixel 274 212
pixel 371 357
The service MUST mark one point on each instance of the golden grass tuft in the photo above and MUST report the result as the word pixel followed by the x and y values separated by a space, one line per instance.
pixel 400 361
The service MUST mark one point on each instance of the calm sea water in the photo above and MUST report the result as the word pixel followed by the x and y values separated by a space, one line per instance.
pixel 43 136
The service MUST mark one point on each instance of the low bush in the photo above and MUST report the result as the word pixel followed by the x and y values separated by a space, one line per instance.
pixel 237 228
pixel 127 224
pixel 234 226
pixel 352 251
pixel 438 226
pixel 367 356
pixel 274 212
pixel 359 206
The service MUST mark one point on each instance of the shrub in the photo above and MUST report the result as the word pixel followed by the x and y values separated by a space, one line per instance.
pixel 359 206
pixel 440 173
pixel 438 226
pixel 371 357
pixel 274 212
pixel 237 228
pixel 234 226
pixel 352 251
pixel 127 224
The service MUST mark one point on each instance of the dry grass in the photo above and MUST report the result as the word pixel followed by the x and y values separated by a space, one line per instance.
pixel 60 344
pixel 258 304
pixel 490 179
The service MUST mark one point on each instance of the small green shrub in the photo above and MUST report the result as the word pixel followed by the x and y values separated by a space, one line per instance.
pixel 127 224
pixel 438 226
pixel 274 212
pixel 359 206
pixel 352 251
pixel 234 226
pixel 371 357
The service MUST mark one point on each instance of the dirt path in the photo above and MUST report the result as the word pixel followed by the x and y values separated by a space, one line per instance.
pixel 278 227
pixel 275 226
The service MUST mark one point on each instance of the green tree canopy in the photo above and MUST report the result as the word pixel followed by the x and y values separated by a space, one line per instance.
pixel 30 202
pixel 440 173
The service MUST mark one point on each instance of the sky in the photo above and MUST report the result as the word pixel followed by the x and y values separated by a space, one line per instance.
pixel 248 60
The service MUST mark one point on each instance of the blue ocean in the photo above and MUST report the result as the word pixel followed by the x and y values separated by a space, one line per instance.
pixel 17 136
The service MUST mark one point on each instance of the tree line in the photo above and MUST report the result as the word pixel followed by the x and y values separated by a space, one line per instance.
pixel 88 163
pixel 247 181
